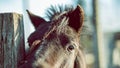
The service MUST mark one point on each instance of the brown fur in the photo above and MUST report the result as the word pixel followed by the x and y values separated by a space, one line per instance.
pixel 61 48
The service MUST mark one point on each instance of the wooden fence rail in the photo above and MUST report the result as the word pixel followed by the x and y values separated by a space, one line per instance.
pixel 12 48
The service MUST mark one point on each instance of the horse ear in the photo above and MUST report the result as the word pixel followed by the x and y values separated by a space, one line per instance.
pixel 36 20
pixel 76 18
pixel 80 60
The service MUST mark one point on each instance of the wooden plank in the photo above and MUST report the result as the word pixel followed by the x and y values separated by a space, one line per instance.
pixel 19 37
pixel 12 40
pixel 101 49
pixel 1 47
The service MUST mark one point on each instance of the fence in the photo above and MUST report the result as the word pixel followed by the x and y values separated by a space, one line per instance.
pixel 12 48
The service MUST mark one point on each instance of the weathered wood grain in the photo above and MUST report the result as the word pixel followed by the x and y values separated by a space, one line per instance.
pixel 11 40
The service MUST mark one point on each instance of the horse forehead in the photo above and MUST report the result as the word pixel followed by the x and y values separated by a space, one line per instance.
pixel 38 34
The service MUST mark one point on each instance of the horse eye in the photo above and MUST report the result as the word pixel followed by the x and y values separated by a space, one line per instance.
pixel 70 48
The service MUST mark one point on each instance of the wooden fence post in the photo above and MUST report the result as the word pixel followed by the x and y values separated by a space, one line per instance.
pixel 12 48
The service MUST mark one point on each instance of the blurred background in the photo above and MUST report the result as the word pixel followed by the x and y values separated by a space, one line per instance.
pixel 101 37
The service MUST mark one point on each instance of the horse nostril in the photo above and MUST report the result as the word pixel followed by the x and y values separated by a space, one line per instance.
pixel 71 47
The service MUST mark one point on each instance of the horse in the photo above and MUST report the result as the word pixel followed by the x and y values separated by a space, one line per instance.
pixel 56 43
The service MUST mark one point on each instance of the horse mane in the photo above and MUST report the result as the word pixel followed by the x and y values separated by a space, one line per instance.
pixel 54 11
